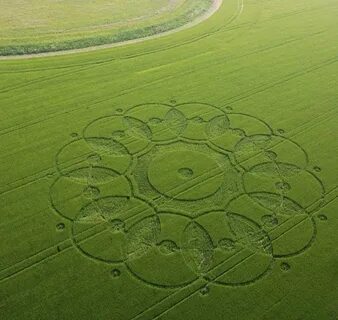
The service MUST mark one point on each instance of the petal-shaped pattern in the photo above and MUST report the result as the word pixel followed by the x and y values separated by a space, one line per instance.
pixel 249 233
pixel 142 236
pixel 217 126
pixel 198 249
pixel 137 128
pixel 175 121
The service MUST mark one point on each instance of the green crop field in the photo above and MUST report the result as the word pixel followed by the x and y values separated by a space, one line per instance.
pixel 189 176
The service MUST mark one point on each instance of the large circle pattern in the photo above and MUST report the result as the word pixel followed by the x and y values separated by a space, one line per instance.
pixel 180 192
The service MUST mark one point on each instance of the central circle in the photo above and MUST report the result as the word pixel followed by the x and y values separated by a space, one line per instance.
pixel 185 174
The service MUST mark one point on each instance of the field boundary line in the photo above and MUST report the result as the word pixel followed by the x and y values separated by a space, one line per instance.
pixel 215 6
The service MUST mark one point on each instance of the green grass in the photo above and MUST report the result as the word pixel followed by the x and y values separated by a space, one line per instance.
pixel 192 176
pixel 45 26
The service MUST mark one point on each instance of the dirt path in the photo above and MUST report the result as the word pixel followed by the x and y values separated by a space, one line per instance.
pixel 213 9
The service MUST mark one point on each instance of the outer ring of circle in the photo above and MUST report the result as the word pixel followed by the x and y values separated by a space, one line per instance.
pixel 85 136
pixel 61 176
pixel 262 275
pixel 158 142
pixel 77 140
pixel 156 285
pixel 206 104
pixel 306 247
pixel 272 135
pixel 88 255
pixel 307 171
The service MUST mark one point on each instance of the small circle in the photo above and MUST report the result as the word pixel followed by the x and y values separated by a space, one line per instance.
pixel 204 291
pixel 229 108
pixel 117 225
pixel 227 244
pixel 115 273
pixel 91 192
pixel 269 221
pixel 168 247
pixel 60 226
pixel 271 155
pixel 155 121
pixel 284 186
pixel 238 132
pixel 93 158
pixel 281 131
pixel 322 217
pixel 173 101
pixel 74 135
pixel 317 169
pixel 185 172
pixel 119 110
pixel 285 266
